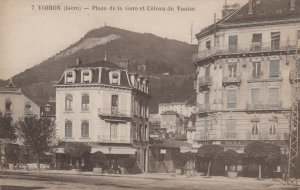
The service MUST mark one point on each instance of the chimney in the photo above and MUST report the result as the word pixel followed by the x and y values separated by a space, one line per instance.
pixel 292 5
pixel 250 4
pixel 78 61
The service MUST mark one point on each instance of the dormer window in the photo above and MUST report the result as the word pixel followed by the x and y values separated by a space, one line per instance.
pixel 8 105
pixel 115 78
pixel 86 76
pixel 69 77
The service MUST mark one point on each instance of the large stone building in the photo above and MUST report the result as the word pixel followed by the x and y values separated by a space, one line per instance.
pixel 14 103
pixel 101 104
pixel 244 64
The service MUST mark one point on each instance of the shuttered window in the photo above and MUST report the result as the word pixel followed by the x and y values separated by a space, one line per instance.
pixel 273 95
pixel 231 98
pixel 233 42
pixel 298 34
pixel 68 129
pixel 230 125
pixel 113 131
pixel 205 126
pixel 207 71
pixel 68 102
pixel 84 129
pixel 232 68
pixel 208 44
pixel 275 40
pixel 256 38
pixel 255 93
pixel 206 98
pixel 274 68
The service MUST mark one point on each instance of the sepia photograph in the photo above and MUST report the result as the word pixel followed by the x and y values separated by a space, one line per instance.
pixel 150 94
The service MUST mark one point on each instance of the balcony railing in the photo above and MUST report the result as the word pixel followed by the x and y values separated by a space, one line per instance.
pixel 261 106
pixel 113 113
pixel 245 48
pixel 230 135
pixel 204 81
pixel 231 80
pixel 295 75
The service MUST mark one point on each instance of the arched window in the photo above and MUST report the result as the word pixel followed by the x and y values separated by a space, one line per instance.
pixel 85 129
pixel 68 129
pixel 69 77
pixel 68 102
pixel 85 101
pixel 8 105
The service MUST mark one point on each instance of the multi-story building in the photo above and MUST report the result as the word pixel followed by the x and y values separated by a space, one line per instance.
pixel 101 104
pixel 244 65
pixel 181 108
pixel 171 121
pixel 14 103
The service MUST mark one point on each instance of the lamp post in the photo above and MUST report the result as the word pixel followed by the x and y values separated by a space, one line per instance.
pixel 109 149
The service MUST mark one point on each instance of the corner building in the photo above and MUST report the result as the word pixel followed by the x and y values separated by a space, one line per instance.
pixel 101 104
pixel 244 66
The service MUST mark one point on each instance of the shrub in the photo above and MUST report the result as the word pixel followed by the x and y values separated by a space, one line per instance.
pixel 98 159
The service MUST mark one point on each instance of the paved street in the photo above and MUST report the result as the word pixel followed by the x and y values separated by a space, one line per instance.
pixel 35 180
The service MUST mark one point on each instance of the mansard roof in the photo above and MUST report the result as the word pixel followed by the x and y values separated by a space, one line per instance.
pixel 101 63
pixel 264 12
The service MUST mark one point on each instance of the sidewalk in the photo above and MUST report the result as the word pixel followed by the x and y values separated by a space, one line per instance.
pixel 272 183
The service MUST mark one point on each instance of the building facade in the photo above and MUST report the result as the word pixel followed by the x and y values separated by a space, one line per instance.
pixel 171 121
pixel 14 103
pixel 180 107
pixel 244 64
pixel 103 105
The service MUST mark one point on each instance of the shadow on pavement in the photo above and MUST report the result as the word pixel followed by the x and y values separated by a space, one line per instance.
pixel 11 187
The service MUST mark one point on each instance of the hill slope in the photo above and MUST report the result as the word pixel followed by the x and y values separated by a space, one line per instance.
pixel 160 55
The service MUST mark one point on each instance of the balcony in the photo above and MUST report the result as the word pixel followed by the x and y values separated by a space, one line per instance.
pixel 231 81
pixel 203 108
pixel 264 107
pixel 230 135
pixel 114 114
pixel 204 82
pixel 256 47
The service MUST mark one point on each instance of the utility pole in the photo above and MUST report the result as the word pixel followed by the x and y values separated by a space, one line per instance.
pixel 294 124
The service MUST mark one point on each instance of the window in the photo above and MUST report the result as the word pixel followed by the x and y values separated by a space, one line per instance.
pixel 85 129
pixel 47 108
pixel 275 40
pixel 233 43
pixel 115 78
pixel 254 130
pixel 68 129
pixel 273 95
pixel 70 77
pixel 68 102
pixel 206 126
pixel 113 131
pixel 8 105
pixel 86 77
pixel 208 44
pixel 230 128
pixel 114 104
pixel 273 125
pixel 206 98
pixel 85 99
pixel 27 107
pixel 274 68
pixel 298 34
pixel 255 93
pixel 232 68
pixel 256 42
pixel 256 72
pixel 207 71
pixel 231 98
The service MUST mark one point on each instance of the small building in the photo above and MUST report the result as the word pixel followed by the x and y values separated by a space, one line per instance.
pixel 170 120
pixel 14 103
pixel 182 108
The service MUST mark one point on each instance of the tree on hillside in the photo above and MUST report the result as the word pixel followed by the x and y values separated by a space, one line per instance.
pixel 37 133
pixel 263 153
pixel 77 150
pixel 7 133
pixel 210 152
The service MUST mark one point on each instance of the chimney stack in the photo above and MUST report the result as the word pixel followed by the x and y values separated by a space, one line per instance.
pixel 292 5
pixel 250 4
pixel 78 61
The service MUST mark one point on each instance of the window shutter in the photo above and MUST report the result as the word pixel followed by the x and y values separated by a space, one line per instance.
pixel 255 96
pixel 273 95
pixel 68 129
pixel 233 40
pixel 274 68
pixel 231 98
pixel 85 99
pixel 206 98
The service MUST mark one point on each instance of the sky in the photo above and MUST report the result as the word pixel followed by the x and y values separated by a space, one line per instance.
pixel 31 31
